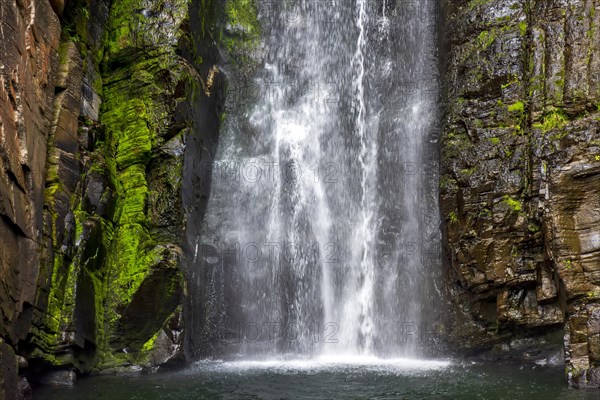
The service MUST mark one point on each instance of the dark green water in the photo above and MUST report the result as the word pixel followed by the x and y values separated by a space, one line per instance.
pixel 400 379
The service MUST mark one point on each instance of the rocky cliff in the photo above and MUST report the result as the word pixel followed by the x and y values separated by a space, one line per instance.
pixel 99 132
pixel 520 175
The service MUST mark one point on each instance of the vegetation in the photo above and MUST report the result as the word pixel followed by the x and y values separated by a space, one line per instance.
pixel 514 204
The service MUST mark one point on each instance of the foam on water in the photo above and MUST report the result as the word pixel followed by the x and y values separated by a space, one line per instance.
pixel 325 363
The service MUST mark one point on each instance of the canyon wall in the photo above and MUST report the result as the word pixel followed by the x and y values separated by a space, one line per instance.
pixel 29 42
pixel 520 190
pixel 98 120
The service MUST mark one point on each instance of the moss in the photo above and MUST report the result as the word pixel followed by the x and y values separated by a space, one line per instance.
pixel 115 252
pixel 495 141
pixel 243 13
pixel 486 38
pixel 137 113
pixel 514 204
pixel 477 3
pixel 453 217
pixel 149 345
pixel 514 80
pixel 446 182
pixel 243 29
pixel 518 107
pixel 555 121
pixel 455 144
pixel 58 316
pixel 569 265
pixel 523 28
pixel 124 19
pixel 485 213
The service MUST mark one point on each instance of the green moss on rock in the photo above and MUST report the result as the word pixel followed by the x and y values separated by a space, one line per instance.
pixel 141 73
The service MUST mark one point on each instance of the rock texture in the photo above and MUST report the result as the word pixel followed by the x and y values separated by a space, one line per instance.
pixel 29 43
pixel 97 101
pixel 520 174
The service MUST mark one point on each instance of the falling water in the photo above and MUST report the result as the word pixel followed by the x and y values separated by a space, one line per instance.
pixel 321 233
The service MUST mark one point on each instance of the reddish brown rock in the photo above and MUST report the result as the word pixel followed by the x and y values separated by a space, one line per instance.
pixel 29 41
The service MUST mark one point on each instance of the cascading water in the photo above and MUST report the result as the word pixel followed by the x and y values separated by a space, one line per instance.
pixel 321 232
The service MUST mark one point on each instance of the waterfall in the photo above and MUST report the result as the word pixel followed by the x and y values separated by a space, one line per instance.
pixel 321 233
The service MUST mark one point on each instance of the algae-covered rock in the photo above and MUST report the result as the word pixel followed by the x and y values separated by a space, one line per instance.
pixel 92 225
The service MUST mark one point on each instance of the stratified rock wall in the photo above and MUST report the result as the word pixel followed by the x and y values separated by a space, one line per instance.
pixel 96 108
pixel 520 180
pixel 29 43
pixel 29 64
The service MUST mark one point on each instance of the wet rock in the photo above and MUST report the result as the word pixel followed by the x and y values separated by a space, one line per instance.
pixel 24 389
pixel 168 351
pixel 519 168
pixel 27 69
pixel 99 196
pixel 90 216
pixel 8 372
pixel 22 362
pixel 154 301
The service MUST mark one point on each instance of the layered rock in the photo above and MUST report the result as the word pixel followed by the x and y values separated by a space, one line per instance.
pixel 520 160
pixel 93 279
pixel 96 106
pixel 29 43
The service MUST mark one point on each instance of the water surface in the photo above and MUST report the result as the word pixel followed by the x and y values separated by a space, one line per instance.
pixel 326 378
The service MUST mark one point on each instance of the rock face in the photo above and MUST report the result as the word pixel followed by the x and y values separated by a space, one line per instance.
pixel 97 105
pixel 520 179
pixel 29 42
